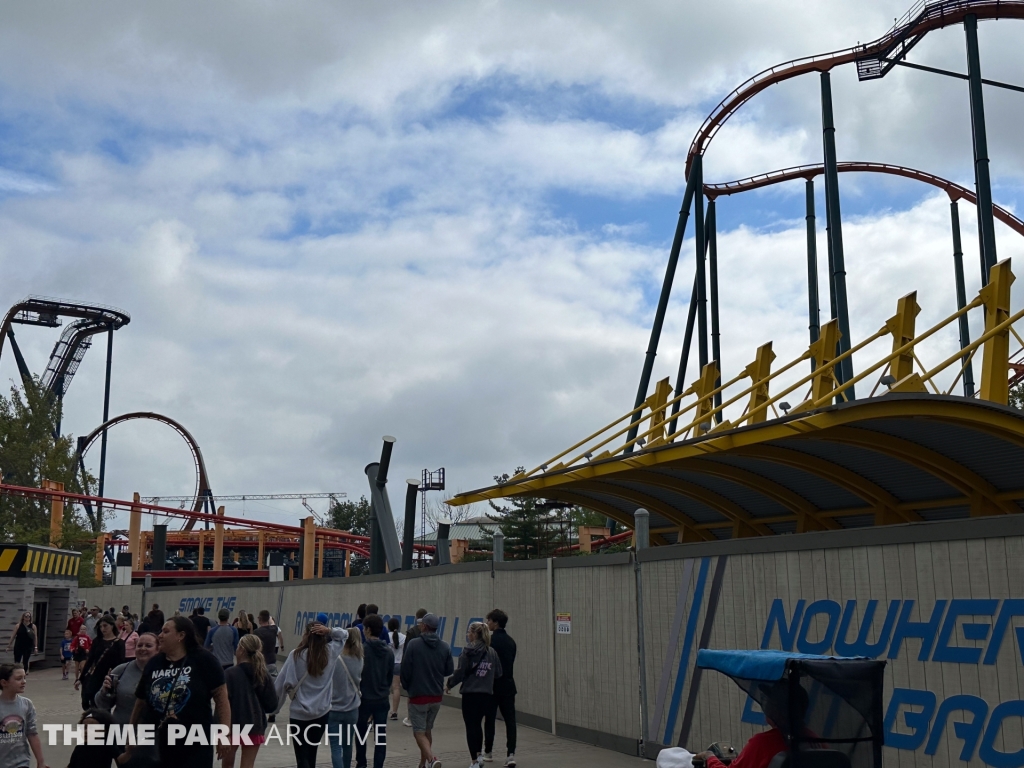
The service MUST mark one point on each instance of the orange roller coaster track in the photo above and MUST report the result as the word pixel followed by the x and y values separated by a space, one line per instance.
pixel 923 18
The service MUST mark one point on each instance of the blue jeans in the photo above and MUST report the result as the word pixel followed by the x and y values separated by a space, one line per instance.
pixel 341 746
pixel 376 710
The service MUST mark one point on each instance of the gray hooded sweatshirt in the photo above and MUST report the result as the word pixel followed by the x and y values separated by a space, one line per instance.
pixel 478 668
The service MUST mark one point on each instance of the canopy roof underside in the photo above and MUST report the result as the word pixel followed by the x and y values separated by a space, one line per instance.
pixel 895 459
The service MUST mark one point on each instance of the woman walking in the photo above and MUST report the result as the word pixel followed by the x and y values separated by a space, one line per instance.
pixel 306 679
pixel 107 652
pixel 18 715
pixel 345 700
pixel 397 642
pixel 130 637
pixel 24 640
pixel 243 624
pixel 478 668
pixel 252 695
pixel 117 694
pixel 177 686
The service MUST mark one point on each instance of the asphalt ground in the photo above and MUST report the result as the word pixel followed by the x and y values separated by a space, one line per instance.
pixel 57 702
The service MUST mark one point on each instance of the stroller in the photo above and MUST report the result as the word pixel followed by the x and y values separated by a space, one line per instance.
pixel 829 709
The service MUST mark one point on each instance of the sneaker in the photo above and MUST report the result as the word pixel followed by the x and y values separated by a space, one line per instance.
pixel 408 724
pixel 394 715
pixel 436 763
pixel 487 758
pixel 510 761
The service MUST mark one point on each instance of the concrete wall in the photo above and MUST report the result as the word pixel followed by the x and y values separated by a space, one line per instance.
pixel 965 578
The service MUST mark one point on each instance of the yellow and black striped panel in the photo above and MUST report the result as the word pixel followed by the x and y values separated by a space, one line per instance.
pixel 26 560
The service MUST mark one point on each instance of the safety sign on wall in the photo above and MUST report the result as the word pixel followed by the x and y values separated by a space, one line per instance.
pixel 563 623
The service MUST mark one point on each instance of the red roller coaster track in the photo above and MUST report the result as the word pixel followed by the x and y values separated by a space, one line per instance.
pixel 923 18
pixel 954 190
pixel 127 506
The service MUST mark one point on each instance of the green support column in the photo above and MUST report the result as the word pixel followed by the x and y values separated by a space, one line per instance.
pixel 961 298
pixel 835 229
pixel 982 182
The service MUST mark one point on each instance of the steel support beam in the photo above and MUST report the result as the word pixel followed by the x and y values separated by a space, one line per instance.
pixel 982 182
pixel 106 418
pixel 700 244
pixel 712 253
pixel 813 311
pixel 835 229
pixel 961 298
pixel 666 291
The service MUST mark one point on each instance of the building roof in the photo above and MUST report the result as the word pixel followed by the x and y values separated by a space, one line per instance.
pixel 473 529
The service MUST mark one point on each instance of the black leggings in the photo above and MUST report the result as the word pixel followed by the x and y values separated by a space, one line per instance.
pixel 506 702
pixel 474 709
pixel 22 653
pixel 305 745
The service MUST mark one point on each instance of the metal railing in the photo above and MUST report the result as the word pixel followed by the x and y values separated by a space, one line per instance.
pixel 899 370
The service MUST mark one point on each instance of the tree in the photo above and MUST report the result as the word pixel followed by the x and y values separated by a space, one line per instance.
pixel 354 517
pixel 1017 396
pixel 351 516
pixel 530 531
pixel 29 454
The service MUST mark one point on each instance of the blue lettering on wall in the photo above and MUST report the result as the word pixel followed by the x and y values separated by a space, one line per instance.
pixel 777 621
pixel 189 604
pixel 861 646
pixel 956 631
pixel 957 608
pixel 969 733
pixel 828 608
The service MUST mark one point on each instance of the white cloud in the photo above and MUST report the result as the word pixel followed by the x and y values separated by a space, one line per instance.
pixel 319 246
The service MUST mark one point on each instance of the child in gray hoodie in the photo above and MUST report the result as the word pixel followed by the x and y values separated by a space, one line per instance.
pixel 478 668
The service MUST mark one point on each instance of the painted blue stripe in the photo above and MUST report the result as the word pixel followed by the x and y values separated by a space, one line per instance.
pixel 691 630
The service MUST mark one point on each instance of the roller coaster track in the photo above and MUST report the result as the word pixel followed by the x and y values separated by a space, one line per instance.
pixel 873 59
pixel 74 341
pixel 954 190
pixel 202 481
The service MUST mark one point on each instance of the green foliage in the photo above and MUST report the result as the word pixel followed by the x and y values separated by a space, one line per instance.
pixel 351 516
pixel 354 517
pixel 533 532
pixel 29 454
pixel 1017 396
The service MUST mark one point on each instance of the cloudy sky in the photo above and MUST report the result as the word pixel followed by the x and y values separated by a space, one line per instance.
pixel 443 221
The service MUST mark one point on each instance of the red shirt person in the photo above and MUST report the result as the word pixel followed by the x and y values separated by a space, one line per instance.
pixel 762 747
pixel 75 622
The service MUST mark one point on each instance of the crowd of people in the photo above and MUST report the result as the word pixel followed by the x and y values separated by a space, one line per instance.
pixel 340 686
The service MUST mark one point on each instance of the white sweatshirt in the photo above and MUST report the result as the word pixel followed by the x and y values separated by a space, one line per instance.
pixel 312 694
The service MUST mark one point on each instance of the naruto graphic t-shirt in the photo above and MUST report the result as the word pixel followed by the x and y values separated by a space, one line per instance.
pixel 181 692
pixel 17 723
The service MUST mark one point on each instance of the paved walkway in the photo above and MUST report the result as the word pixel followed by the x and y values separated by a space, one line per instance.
pixel 57 702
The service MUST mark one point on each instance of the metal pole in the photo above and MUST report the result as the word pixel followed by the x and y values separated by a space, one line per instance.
pixel 409 529
pixel 641 522
pixel 835 227
pixel 691 316
pixel 550 589
pixel 106 417
pixel 712 251
pixel 982 182
pixel 499 547
pixel 813 312
pixel 666 292
pixel 700 239
pixel 961 297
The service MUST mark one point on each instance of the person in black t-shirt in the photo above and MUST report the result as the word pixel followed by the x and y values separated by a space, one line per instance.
pixel 201 624
pixel 176 688
pixel 95 755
